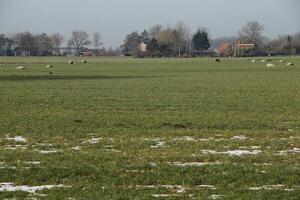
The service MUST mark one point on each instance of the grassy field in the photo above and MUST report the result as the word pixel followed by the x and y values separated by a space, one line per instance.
pixel 122 128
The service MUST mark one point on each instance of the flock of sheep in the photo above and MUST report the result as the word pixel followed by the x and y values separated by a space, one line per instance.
pixel 71 62
pixel 48 66
pixel 271 64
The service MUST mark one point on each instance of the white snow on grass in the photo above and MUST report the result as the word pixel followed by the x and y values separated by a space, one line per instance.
pixel 216 196
pixel 239 137
pixel 162 195
pixel 15 147
pixel 210 187
pixel 48 151
pixel 272 187
pixel 285 152
pixel 18 139
pixel 9 187
pixel 158 144
pixel 174 188
pixel 77 148
pixel 193 164
pixel 93 140
pixel 237 152
pixel 32 162
pixel 185 138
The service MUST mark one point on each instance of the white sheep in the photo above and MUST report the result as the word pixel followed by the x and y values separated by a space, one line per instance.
pixel 49 66
pixel 0 65
pixel 20 68
pixel 253 61
pixel 263 61
pixel 84 61
pixel 290 64
pixel 270 65
pixel 281 61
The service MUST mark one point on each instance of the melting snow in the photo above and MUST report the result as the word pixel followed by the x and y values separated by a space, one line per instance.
pixel 158 144
pixel 271 187
pixel 239 137
pixel 233 152
pixel 211 187
pixel 17 139
pixel 216 196
pixel 284 152
pixel 48 151
pixel 14 147
pixel 9 187
pixel 193 164
pixel 185 138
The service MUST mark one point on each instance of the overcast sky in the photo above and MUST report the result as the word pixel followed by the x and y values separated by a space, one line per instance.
pixel 115 18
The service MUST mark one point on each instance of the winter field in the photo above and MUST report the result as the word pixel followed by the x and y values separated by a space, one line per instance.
pixel 123 128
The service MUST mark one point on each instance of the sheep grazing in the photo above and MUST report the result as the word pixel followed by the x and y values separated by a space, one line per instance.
pixel 71 62
pixel 270 65
pixel 281 61
pixel 0 65
pixel 218 60
pixel 253 61
pixel 83 61
pixel 20 68
pixel 290 64
pixel 269 60
pixel 263 61
pixel 49 66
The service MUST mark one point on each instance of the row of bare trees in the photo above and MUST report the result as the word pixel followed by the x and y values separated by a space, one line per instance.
pixel 166 41
pixel 178 40
pixel 26 43
pixel 252 32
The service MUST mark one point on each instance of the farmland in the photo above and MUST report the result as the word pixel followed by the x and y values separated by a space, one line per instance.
pixel 123 128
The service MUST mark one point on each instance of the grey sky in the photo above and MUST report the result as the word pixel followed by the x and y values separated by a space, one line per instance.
pixel 115 18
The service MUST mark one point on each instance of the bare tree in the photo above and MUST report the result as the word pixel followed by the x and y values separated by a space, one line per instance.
pixel 26 42
pixel 155 30
pixel 56 40
pixel 44 44
pixel 252 32
pixel 78 40
pixel 97 40
pixel 183 39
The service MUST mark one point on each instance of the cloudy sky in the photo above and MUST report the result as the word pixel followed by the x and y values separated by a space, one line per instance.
pixel 115 18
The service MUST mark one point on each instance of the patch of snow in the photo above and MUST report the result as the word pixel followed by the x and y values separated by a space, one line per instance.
pixel 161 195
pixel 233 152
pixel 211 187
pixel 193 164
pixel 48 151
pixel 215 196
pixel 9 187
pixel 158 144
pixel 77 148
pixel 15 147
pixel 268 187
pixel 184 138
pixel 285 152
pixel 239 137
pixel 175 188
pixel 18 139
pixel 32 162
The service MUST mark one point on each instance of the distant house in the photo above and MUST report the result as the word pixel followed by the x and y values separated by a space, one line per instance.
pixel 241 49
pixel 225 49
pixel 143 47
pixel 235 49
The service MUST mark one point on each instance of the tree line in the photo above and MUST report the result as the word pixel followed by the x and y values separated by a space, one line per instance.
pixel 29 44
pixel 157 41
pixel 179 41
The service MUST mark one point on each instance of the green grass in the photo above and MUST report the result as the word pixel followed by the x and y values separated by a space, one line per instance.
pixel 132 104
